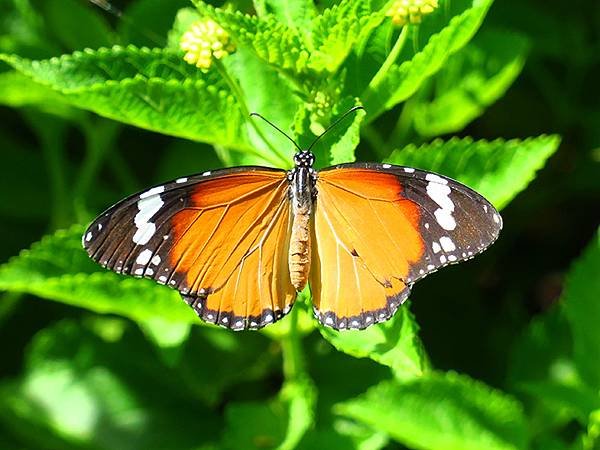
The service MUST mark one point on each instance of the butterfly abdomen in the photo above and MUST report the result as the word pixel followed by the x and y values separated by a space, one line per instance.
pixel 299 256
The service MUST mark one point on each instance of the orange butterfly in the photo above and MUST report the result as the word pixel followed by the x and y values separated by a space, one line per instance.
pixel 240 243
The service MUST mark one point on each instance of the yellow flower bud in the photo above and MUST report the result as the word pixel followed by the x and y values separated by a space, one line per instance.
pixel 410 11
pixel 204 41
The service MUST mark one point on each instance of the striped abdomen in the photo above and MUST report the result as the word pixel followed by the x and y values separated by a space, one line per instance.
pixel 299 257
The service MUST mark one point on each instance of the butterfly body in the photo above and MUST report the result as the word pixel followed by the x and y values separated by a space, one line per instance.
pixel 303 194
pixel 239 243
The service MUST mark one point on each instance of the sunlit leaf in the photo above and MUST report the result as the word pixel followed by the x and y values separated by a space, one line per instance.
pixel 394 343
pixel 497 169
pixel 471 81
pixel 448 411
pixel 583 311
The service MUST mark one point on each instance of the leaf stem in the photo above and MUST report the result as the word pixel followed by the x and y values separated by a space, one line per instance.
pixel 239 95
pixel 293 357
pixel 99 140
pixel 390 60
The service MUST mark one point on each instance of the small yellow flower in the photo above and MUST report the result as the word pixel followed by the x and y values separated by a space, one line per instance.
pixel 410 11
pixel 204 41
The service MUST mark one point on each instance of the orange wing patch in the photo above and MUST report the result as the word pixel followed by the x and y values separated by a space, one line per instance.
pixel 366 237
pixel 230 246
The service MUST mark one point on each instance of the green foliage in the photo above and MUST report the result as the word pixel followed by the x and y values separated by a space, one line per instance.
pixel 498 169
pixel 447 411
pixel 92 113
pixel 583 311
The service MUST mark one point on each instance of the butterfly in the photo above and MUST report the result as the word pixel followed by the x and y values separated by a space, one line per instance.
pixel 240 243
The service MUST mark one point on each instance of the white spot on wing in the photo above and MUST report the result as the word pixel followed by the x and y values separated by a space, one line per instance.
pixel 439 191
pixel 153 191
pixel 496 218
pixel 181 180
pixel 144 257
pixel 329 321
pixel 155 260
pixel 442 259
pixel 99 226
pixel 88 237
pixel 452 258
pixel 162 279
pixel 409 169
pixel 445 219
pixel 139 271
pixel 149 271
pixel 436 247
pixel 386 166
pixel 207 173
pixel 148 206
pixel 447 244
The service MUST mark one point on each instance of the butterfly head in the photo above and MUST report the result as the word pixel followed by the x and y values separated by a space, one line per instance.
pixel 304 158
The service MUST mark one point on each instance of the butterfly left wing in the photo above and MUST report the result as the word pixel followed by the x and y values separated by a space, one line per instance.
pixel 379 228
pixel 220 238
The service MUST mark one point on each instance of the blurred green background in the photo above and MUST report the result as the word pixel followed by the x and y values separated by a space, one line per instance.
pixel 75 378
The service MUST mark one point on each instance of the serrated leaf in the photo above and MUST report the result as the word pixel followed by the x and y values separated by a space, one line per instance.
pixel 153 89
pixel 337 30
pixel 271 40
pixel 394 343
pixel 293 13
pixel 498 169
pixel 471 80
pixel 582 307
pixel 18 90
pixel 404 76
pixel 57 268
pixel 448 411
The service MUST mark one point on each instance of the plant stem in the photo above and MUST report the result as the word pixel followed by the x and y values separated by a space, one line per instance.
pixel 293 358
pixel 239 95
pixel 99 140
pixel 390 60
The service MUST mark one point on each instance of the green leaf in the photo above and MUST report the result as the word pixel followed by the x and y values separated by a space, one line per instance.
pixel 448 411
pixel 293 13
pixel 169 337
pixel 103 394
pixel 153 89
pixel 57 268
pixel 337 30
pixel 271 40
pixel 394 343
pixel 280 423
pixel 18 90
pixel 497 169
pixel 582 307
pixel 183 21
pixel 397 81
pixel 259 81
pixel 471 80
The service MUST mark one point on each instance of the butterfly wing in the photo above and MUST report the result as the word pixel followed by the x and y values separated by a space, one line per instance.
pixel 379 228
pixel 220 238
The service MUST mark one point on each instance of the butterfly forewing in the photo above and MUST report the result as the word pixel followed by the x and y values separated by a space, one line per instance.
pixel 220 238
pixel 378 228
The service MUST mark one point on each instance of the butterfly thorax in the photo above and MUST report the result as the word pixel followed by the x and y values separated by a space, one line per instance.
pixel 302 192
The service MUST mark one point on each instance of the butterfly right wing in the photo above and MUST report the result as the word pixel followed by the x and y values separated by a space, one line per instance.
pixel 221 239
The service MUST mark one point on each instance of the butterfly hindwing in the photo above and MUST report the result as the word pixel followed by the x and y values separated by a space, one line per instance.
pixel 378 228
pixel 220 238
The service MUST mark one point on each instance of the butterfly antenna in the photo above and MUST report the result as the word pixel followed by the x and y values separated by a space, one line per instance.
pixel 350 111
pixel 277 128
pixel 111 9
